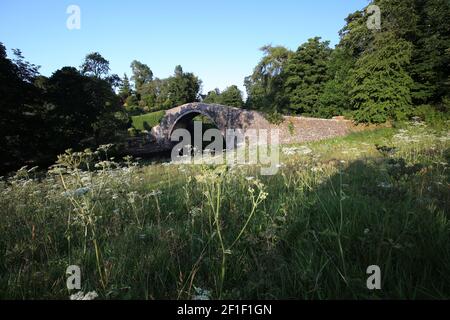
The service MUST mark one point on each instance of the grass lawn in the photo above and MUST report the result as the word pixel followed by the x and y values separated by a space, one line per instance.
pixel 167 231
pixel 147 121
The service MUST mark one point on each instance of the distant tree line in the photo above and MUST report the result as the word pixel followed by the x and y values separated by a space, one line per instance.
pixel 372 76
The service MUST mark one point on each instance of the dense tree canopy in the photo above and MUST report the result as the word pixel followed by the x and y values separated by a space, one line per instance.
pixel 305 76
pixel 265 85
pixel 373 75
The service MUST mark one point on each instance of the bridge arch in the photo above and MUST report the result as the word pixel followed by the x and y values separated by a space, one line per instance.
pixel 189 116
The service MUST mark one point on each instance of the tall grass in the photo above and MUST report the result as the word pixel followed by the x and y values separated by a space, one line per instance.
pixel 169 231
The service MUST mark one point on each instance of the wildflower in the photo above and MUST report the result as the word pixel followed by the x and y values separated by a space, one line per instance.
pixel 201 294
pixel 77 193
pixel 385 185
pixel 155 193
pixel 81 191
pixel 249 178
pixel 81 296
pixel 132 197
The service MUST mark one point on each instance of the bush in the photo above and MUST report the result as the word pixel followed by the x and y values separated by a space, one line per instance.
pixel 274 117
pixel 431 116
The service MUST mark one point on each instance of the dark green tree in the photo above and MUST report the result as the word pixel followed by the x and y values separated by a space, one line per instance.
pixel 232 97
pixel 95 65
pixel 335 98
pixel 183 87
pixel 213 96
pixel 305 76
pixel 125 90
pixel 430 64
pixel 381 86
pixel 264 86
pixel 22 128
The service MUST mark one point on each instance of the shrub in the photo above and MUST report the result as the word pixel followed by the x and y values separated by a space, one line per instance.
pixel 431 116
pixel 274 117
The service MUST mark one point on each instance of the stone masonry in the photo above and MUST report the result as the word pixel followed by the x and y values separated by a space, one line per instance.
pixel 292 129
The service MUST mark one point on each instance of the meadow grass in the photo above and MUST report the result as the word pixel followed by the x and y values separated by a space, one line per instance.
pixel 166 231
pixel 147 121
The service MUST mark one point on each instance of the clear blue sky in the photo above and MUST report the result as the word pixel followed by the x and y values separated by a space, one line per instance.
pixel 218 40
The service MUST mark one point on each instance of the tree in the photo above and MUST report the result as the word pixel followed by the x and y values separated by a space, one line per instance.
pixel 381 86
pixel 264 86
pixel 125 89
pixel 355 36
pixel 305 76
pixel 95 65
pixel 22 126
pixel 182 88
pixel 142 75
pixel 430 64
pixel 213 97
pixel 232 97
pixel 335 98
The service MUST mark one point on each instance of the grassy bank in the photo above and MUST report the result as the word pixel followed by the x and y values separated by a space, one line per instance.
pixel 147 121
pixel 173 231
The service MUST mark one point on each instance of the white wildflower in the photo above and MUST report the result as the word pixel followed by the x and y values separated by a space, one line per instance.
pixel 155 193
pixel 81 296
pixel 201 294
pixel 385 185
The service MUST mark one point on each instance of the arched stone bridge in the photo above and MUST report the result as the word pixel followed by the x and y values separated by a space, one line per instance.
pixel 292 129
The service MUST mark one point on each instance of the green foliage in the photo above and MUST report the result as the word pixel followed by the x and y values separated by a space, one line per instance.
pixel 41 117
pixel 291 128
pixel 147 121
pixel 306 75
pixel 430 66
pixel 274 117
pixel 95 65
pixel 381 87
pixel 433 117
pixel 264 86
pixel 142 75
pixel 125 90
pixel 213 97
pixel 183 87
pixel 231 97
pixel 335 99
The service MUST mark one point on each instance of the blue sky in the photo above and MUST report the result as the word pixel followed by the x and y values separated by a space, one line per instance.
pixel 218 40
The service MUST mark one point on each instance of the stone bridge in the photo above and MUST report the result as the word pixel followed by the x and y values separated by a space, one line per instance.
pixel 292 129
